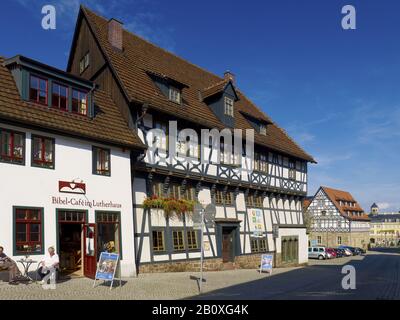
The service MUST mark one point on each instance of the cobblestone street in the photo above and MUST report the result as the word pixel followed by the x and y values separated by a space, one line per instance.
pixel 377 278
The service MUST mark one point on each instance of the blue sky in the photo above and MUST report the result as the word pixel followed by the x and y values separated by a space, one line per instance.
pixel 336 92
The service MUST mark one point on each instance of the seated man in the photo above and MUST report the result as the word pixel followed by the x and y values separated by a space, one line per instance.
pixel 50 261
pixel 8 264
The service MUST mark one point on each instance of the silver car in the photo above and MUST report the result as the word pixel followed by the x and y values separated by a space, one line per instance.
pixel 317 253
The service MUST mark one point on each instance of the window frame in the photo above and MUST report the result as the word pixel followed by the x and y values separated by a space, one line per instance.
pixel 94 160
pixel 255 245
pixel 196 237
pixel 80 91
pixel 43 164
pixel 174 92
pixel 229 106
pixel 37 100
pixel 13 160
pixel 67 96
pixel 292 170
pixel 164 247
pixel 182 232
pixel 84 62
pixel 29 222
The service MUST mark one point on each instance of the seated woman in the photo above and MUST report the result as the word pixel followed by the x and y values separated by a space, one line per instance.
pixel 10 265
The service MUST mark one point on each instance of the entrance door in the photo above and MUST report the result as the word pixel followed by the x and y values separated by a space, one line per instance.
pixel 90 263
pixel 227 244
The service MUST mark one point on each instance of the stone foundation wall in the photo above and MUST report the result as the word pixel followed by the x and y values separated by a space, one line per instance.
pixel 241 262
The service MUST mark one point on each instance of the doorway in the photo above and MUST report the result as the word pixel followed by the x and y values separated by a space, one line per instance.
pixel 76 244
pixel 228 244
pixel 70 241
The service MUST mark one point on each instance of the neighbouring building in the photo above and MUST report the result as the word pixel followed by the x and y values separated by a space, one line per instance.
pixel 65 161
pixel 108 181
pixel 385 228
pixel 337 219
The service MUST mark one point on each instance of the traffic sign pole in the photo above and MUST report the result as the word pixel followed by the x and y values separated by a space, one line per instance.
pixel 202 250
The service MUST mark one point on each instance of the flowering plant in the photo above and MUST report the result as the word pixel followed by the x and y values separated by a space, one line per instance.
pixel 169 205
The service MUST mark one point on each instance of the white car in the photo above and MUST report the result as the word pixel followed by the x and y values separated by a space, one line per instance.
pixel 317 253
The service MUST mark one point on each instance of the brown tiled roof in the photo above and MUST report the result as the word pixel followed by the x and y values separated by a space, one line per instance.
pixel 107 126
pixel 338 195
pixel 139 57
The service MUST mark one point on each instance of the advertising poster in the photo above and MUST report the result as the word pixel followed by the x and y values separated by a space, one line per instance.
pixel 266 263
pixel 256 222
pixel 107 266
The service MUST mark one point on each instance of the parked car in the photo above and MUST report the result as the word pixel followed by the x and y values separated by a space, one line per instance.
pixel 317 253
pixel 351 251
pixel 339 253
pixel 346 251
pixel 362 251
pixel 331 253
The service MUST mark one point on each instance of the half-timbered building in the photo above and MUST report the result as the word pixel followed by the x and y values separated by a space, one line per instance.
pixel 337 219
pixel 151 87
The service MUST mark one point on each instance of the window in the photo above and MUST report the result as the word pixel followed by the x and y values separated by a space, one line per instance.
pixel 28 231
pixel 84 63
pixel 174 94
pixel 222 197
pixel 159 141
pixel 263 129
pixel 232 158
pixel 79 102
pixel 228 106
pixel 158 189
pixel 319 240
pixel 339 240
pixel 178 242
pixel 258 245
pixel 249 200
pixel 292 170
pixel 108 232
pixel 192 240
pixel 38 90
pixel 260 162
pixel 158 241
pixel 258 201
pixel 43 152
pixel 12 146
pixel 101 161
pixel 59 96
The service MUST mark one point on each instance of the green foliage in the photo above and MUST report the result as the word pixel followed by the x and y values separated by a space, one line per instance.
pixel 169 205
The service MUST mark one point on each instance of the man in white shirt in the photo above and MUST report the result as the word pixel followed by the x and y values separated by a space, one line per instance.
pixel 49 262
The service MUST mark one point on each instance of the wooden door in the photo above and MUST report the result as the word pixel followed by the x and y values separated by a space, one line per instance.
pixel 227 245
pixel 90 257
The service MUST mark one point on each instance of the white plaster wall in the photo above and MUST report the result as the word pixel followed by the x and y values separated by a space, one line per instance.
pixel 34 187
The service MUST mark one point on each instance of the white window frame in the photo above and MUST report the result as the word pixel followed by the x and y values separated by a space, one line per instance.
pixel 174 94
pixel 228 106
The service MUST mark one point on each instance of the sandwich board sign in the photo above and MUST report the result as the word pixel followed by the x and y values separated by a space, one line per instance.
pixel 107 268
pixel 266 263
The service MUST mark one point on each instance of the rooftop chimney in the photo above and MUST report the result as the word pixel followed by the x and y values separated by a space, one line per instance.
pixel 229 76
pixel 115 33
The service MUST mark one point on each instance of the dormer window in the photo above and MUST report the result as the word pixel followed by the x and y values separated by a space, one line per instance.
pixel 79 102
pixel 38 90
pixel 228 106
pixel 174 94
pixel 263 129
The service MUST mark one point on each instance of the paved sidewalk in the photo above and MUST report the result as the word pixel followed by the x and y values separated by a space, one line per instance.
pixel 145 287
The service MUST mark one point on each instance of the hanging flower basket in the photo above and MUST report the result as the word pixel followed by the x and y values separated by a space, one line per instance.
pixel 170 205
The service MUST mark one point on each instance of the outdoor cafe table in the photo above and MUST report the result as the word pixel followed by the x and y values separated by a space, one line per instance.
pixel 26 264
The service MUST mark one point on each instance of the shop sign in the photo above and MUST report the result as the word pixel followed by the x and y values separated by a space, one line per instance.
pixel 78 202
pixel 72 187
pixel 107 267
pixel 266 263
